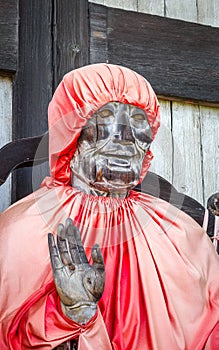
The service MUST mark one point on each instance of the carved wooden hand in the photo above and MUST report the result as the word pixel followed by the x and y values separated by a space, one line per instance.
pixel 79 284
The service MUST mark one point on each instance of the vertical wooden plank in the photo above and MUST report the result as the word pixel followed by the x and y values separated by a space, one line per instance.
pixel 8 34
pixel 131 5
pixel 185 10
pixel 100 2
pixel 210 150
pixel 162 145
pixel 98 34
pixel 33 82
pixel 71 37
pixel 187 160
pixel 5 133
pixel 208 12
pixel 152 7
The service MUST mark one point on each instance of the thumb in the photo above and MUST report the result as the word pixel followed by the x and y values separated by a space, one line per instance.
pixel 97 256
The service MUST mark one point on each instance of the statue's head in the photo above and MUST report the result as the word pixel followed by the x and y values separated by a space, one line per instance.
pixel 102 119
pixel 111 149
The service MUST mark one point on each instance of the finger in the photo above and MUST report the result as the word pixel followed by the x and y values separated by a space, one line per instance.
pixel 97 256
pixel 72 245
pixel 54 256
pixel 74 242
pixel 62 246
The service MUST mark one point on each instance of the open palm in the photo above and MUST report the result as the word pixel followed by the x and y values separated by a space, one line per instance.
pixel 79 284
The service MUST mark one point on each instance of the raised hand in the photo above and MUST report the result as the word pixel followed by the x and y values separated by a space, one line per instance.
pixel 78 284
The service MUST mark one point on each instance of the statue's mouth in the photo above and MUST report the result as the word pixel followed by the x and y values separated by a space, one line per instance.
pixel 117 163
pixel 117 171
pixel 83 304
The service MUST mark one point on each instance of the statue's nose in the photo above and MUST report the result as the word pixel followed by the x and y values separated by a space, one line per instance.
pixel 123 134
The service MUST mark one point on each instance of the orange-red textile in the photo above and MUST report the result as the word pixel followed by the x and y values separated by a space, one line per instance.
pixel 162 289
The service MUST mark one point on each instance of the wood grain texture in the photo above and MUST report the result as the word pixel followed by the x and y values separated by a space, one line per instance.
pixel 124 4
pixel 197 11
pixel 5 133
pixel 210 150
pixel 152 7
pixel 33 82
pixel 184 10
pixel 8 34
pixel 187 160
pixel 98 35
pixel 208 12
pixel 162 147
pixel 176 68
pixel 70 36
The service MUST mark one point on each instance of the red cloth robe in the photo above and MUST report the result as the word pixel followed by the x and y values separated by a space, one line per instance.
pixel 162 289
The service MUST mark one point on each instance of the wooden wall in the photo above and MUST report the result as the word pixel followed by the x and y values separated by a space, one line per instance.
pixel 186 149
pixel 197 11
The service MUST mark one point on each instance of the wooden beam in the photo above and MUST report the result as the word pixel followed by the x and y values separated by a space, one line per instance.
pixel 71 37
pixel 33 80
pixel 180 59
pixel 98 33
pixel 8 34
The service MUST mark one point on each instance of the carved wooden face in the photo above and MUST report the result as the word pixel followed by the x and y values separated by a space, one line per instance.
pixel 112 147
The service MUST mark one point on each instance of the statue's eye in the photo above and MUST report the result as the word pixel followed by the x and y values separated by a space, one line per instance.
pixel 104 117
pixel 138 121
pixel 138 117
pixel 105 113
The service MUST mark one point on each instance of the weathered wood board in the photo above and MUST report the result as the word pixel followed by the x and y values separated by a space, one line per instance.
pixel 197 11
pixel 176 68
pixel 8 34
pixel 162 146
pixel 152 7
pixel 33 81
pixel 70 33
pixel 186 149
pixel 5 133
pixel 185 10
pixel 187 158
pixel 209 123
pixel 208 12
